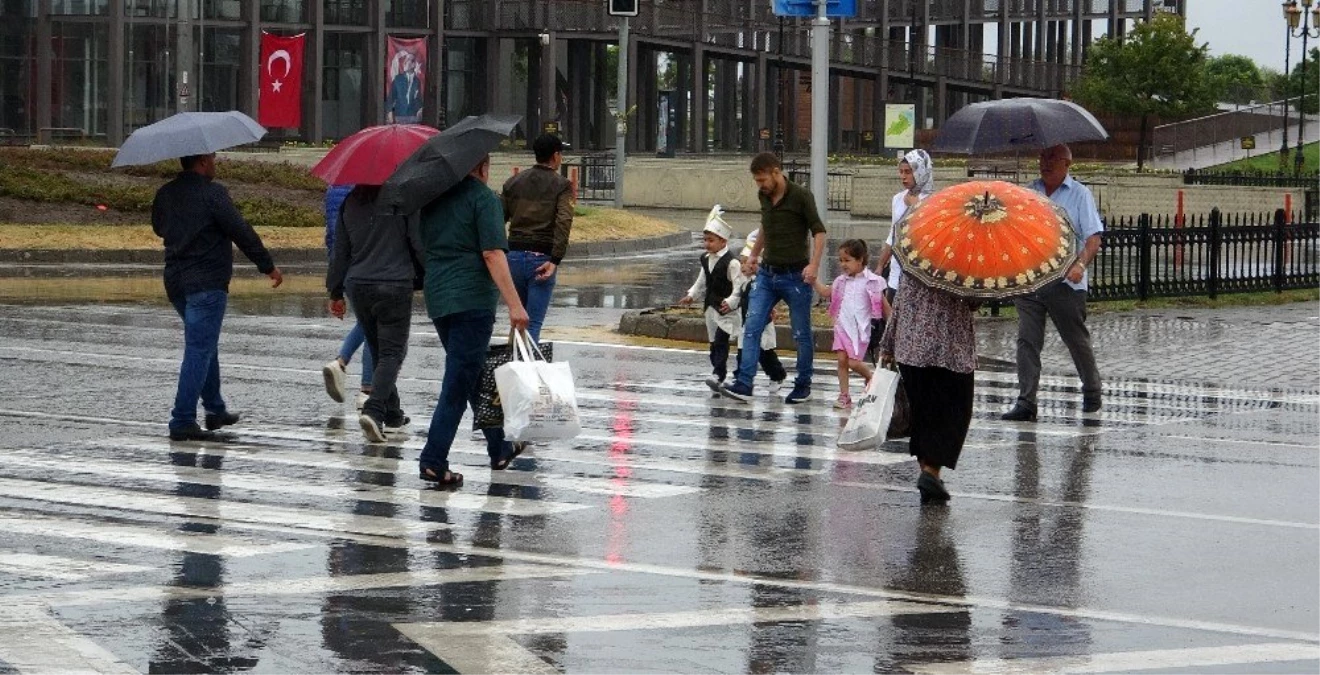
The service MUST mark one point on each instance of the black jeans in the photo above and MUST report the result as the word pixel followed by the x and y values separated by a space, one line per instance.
pixel 385 313
pixel 466 339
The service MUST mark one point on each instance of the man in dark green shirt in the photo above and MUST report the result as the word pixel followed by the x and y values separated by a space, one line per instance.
pixel 466 274
pixel 789 219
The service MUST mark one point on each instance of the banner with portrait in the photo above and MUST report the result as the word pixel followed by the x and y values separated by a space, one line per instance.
pixel 405 79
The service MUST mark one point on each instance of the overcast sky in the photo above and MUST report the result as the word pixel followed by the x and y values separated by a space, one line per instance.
pixel 1252 28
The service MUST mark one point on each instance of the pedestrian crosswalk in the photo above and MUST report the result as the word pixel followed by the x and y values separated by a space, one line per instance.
pixel 105 522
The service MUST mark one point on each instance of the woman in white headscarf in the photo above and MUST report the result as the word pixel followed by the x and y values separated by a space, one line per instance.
pixel 918 176
pixel 917 173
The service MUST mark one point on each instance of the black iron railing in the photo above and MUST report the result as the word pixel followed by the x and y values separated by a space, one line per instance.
pixel 1159 256
pixel 1249 179
pixel 838 184
pixel 594 174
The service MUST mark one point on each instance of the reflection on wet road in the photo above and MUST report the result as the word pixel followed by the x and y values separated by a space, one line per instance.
pixel 1175 531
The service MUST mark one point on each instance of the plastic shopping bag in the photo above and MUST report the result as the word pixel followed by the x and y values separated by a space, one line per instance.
pixel 869 421
pixel 538 397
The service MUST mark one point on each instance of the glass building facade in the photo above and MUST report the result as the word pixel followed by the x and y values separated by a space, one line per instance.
pixel 117 65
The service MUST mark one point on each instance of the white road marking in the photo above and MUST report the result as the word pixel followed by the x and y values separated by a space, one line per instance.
pixel 1120 662
pixel 321 585
pixel 625 487
pixel 174 475
pixel 1242 441
pixel 212 509
pixel 32 565
pixel 33 642
pixel 738 446
pixel 485 647
pixel 119 534
pixel 1094 507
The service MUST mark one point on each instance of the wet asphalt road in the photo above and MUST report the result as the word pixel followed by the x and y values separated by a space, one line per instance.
pixel 1175 531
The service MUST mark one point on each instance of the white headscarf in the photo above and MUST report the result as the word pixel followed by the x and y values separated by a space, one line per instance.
pixel 922 171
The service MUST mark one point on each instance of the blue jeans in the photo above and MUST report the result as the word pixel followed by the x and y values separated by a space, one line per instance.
pixel 534 293
pixel 199 373
pixel 466 338
pixel 768 289
pixel 352 342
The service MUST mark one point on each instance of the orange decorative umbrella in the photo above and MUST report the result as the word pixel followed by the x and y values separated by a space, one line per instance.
pixel 986 239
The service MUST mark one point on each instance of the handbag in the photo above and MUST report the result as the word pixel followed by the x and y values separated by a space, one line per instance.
pixel 488 413
pixel 900 423
pixel 538 397
pixel 869 421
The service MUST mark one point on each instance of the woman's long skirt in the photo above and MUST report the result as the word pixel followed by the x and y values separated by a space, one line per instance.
pixel 941 411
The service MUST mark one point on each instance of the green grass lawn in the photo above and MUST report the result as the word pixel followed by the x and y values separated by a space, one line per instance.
pixel 1268 162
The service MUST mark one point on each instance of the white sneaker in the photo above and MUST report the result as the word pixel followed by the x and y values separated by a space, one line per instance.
pixel 714 382
pixel 775 386
pixel 361 399
pixel 334 375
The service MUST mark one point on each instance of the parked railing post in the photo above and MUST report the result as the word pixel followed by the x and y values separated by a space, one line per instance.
pixel 1215 235
pixel 1279 248
pixel 1143 256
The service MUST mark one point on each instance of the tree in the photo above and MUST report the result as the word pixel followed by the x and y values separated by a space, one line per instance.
pixel 1157 69
pixel 1235 79
pixel 1302 83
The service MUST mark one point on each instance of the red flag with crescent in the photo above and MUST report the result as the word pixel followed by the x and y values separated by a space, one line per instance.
pixel 279 104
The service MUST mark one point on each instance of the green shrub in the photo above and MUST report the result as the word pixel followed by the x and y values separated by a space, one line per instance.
pixel 45 186
pixel 266 212
pixel 276 174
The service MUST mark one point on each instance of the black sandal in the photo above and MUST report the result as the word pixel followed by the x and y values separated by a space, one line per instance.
pixel 502 464
pixel 447 479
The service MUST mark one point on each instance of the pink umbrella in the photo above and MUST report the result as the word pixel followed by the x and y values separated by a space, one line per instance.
pixel 368 157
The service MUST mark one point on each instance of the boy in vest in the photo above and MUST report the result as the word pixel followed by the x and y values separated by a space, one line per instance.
pixel 719 287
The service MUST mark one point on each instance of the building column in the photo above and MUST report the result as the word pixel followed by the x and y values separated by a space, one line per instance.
pixel 941 100
pixel 600 102
pixel 1075 49
pixel 248 80
pixel 682 87
pixel 433 99
pixel 700 99
pixel 1002 38
pixel 879 96
pixel 313 75
pixel 374 82
pixel 761 104
pixel 45 69
pixel 549 73
pixel 114 106
pixel 643 84
pixel 793 79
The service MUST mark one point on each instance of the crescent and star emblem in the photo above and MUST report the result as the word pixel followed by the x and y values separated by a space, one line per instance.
pixel 278 55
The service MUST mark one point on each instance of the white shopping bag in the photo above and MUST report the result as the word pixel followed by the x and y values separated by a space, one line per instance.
pixel 869 422
pixel 538 398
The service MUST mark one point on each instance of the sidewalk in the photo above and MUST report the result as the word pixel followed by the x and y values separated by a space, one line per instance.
pixel 1269 347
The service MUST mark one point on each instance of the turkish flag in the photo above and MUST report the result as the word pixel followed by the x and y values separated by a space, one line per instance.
pixel 280 101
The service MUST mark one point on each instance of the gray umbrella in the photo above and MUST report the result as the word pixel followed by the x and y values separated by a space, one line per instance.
pixel 186 134
pixel 1013 124
pixel 442 161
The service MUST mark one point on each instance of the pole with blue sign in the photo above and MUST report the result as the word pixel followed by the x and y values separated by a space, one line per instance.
pixel 823 11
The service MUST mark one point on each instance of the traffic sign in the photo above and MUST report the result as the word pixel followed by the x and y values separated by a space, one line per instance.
pixel 834 9
pixel 623 7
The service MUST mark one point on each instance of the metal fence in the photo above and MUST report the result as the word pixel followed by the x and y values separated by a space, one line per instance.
pixel 1157 256
pixel 1249 178
pixel 595 175
pixel 838 184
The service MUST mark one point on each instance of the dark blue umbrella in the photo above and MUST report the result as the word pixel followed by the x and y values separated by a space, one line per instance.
pixel 1013 124
pixel 187 134
pixel 442 161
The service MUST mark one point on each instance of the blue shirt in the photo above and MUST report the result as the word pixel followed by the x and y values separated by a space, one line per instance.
pixel 334 201
pixel 1077 200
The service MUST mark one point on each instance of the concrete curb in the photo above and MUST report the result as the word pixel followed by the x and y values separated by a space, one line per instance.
pixel 653 323
pixel 287 256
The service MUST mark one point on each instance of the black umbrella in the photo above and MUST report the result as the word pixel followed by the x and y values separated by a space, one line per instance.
pixel 442 161
pixel 1014 124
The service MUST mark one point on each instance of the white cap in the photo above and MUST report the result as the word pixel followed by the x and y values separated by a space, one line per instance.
pixel 716 225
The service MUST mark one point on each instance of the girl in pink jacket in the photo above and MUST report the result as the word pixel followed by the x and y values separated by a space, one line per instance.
pixel 856 297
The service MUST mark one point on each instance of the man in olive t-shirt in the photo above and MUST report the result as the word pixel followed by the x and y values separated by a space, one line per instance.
pixel 786 272
pixel 466 274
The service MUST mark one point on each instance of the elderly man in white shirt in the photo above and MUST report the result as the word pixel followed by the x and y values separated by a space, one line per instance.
pixel 1065 301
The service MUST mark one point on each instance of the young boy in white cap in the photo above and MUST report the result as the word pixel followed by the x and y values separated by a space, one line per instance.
pixel 719 287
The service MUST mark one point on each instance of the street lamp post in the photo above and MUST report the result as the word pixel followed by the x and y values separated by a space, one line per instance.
pixel 1287 62
pixel 1300 24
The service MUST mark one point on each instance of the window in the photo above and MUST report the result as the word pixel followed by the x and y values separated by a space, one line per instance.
pixel 222 9
pixel 80 7
pixel 342 98
pixel 346 12
pixel 10 9
pixel 18 67
pixel 407 13
pixel 283 11
pixel 79 76
pixel 217 76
